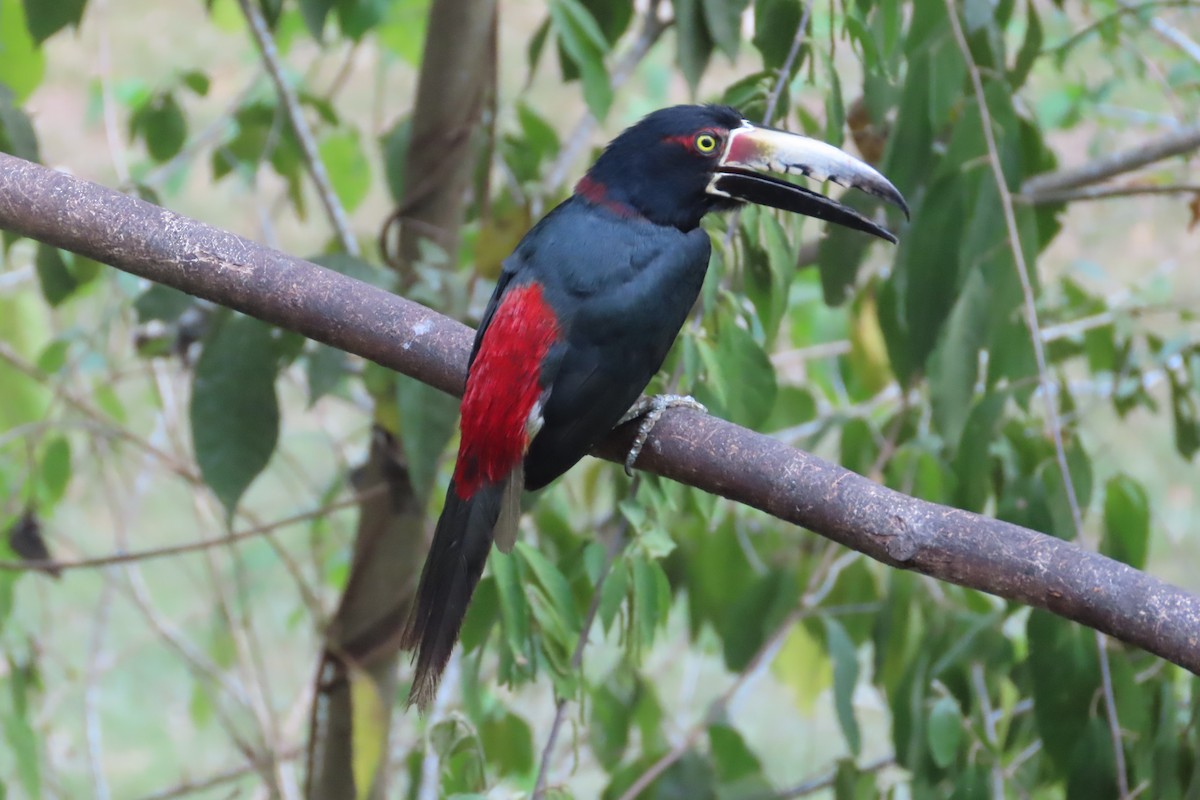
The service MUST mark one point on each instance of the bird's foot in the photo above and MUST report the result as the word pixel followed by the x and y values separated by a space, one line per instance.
pixel 650 409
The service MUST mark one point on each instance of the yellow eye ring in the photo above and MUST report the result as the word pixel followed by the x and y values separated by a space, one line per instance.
pixel 705 142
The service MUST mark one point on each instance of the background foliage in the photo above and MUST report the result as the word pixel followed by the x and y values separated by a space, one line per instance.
pixel 729 655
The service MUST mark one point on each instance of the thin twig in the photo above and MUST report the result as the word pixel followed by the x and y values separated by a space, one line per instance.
pixel 189 547
pixel 91 694
pixel 1110 713
pixel 781 81
pixel 1171 144
pixel 785 71
pixel 1102 193
pixel 1173 36
pixel 230 775
pixel 1045 384
pixel 112 134
pixel 1023 272
pixel 308 146
pixel 1127 8
pixel 616 542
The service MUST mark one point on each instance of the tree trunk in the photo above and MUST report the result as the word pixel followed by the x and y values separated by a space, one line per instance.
pixel 454 93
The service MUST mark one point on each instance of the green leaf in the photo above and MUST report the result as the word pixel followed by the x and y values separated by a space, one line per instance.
pixel 954 362
pixel 22 62
pixel 368 730
pixel 161 302
pixel 612 594
pixel 972 462
pixel 775 24
pixel 945 731
pixel 21 742
pixel 693 40
pixel 732 758
pixel 514 615
pixel 554 585
pixel 56 470
pixel 610 722
pixel 47 17
pixel 753 613
pixel 427 419
pixel 324 368
pixel 357 268
pixel 508 743
pixel 1066 677
pixel 977 13
pixel 161 124
pixel 1031 48
pixel 1126 521
pixel 348 168
pixel 314 13
pixel 16 131
pixel 197 81
pixel 648 613
pixel 234 410
pixel 745 387
pixel 584 42
pixel 845 677
pixel 56 279
pixel 724 21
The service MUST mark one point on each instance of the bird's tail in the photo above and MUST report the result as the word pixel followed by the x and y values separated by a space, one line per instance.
pixel 456 558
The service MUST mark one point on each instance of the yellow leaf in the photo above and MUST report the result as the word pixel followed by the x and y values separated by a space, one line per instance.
pixel 368 726
pixel 803 666
pixel 868 350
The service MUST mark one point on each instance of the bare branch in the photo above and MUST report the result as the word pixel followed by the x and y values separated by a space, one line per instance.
pixel 188 547
pixel 1018 253
pixel 1174 143
pixel 702 451
pixel 1102 193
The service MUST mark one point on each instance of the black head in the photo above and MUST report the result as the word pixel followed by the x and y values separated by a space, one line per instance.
pixel 660 168
pixel 680 163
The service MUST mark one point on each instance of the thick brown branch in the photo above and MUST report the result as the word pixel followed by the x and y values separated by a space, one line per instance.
pixel 701 451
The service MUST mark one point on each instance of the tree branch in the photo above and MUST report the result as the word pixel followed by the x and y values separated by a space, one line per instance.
pixel 1175 143
pixel 708 453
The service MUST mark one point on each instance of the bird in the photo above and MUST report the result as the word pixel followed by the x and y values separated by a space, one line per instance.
pixel 582 317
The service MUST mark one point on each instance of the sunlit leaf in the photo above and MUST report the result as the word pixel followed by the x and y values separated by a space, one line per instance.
pixel 22 62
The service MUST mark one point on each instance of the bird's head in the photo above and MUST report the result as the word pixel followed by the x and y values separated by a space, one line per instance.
pixel 680 163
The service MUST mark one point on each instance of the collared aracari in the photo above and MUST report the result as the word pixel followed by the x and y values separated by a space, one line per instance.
pixel 583 315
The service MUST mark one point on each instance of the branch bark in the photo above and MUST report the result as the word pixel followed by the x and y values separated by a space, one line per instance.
pixel 708 453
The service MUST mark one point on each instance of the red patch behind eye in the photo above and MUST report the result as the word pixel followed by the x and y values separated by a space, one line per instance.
pixel 688 140
pixel 503 387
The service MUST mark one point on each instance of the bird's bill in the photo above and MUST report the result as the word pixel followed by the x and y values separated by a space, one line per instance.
pixel 751 151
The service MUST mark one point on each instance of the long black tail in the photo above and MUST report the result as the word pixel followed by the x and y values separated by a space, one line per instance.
pixel 452 569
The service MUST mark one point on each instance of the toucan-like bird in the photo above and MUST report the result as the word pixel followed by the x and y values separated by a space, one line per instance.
pixel 583 315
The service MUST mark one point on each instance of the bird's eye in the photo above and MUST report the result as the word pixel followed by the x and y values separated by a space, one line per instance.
pixel 705 142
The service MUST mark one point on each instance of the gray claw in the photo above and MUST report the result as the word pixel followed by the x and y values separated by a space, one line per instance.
pixel 650 409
